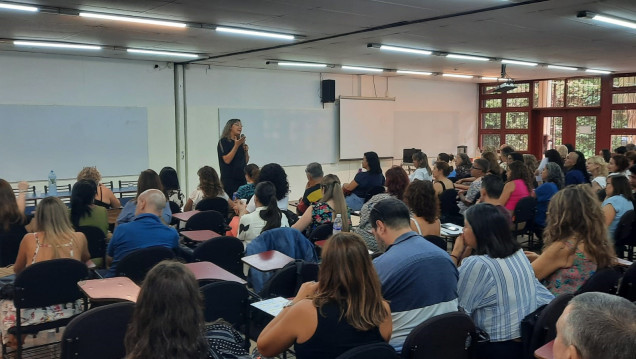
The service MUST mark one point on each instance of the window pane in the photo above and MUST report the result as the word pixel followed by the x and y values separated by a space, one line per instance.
pixel 490 141
pixel 622 140
pixel 521 88
pixel 626 81
pixel 624 97
pixel 518 141
pixel 517 120
pixel 491 120
pixel 553 128
pixel 518 102
pixel 623 119
pixel 586 135
pixel 549 93
pixel 492 103
pixel 584 92
pixel 487 89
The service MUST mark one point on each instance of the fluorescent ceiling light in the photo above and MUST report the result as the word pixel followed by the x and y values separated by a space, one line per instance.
pixel 18 7
pixel 56 45
pixel 163 53
pixel 301 64
pixel 132 19
pixel 556 67
pixel 458 76
pixel 515 62
pixel 489 78
pixel 405 49
pixel 614 21
pixel 604 72
pixel 254 33
pixel 369 69
pixel 408 72
pixel 467 57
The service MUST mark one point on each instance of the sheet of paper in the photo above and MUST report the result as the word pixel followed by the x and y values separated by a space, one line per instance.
pixel 271 306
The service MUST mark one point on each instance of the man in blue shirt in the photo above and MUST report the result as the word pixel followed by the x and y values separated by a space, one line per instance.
pixel 146 230
pixel 418 278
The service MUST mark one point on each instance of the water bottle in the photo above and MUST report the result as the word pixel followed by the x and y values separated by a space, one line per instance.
pixel 337 224
pixel 52 183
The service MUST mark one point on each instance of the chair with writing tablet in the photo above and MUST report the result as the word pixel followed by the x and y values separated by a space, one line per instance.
pixel 230 301
pixel 224 251
pixel 370 351
pixel 627 288
pixel 211 220
pixel 135 265
pixel 442 336
pixel 96 240
pixel 214 204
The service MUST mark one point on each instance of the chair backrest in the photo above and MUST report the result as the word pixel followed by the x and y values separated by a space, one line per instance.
pixel 321 232
pixel 174 207
pixel 448 202
pixel 136 264
pixel 108 184
pixel 96 241
pixel 292 217
pixel 627 287
pixel 10 245
pixel 211 220
pixel 525 210
pixel 224 251
pixel 624 229
pixel 372 192
pixel 545 327
pixel 286 282
pixel 227 300
pixel 49 282
pixel 370 351
pixel 59 187
pixel 438 241
pixel 442 336
pixel 30 189
pixel 213 204
pixel 98 333
pixel 123 184
pixel 604 280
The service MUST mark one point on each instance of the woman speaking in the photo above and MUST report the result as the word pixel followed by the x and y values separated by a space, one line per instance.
pixel 233 156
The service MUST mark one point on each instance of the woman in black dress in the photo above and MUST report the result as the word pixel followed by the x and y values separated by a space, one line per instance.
pixel 233 156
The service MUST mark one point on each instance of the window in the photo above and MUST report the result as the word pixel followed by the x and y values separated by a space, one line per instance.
pixel 623 119
pixel 518 102
pixel 586 135
pixel 549 93
pixel 490 141
pixel 491 120
pixel 622 140
pixel 584 92
pixel 629 97
pixel 518 141
pixel 517 120
pixel 492 103
pixel 624 81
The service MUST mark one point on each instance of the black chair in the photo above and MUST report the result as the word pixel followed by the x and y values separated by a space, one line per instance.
pixel 373 191
pixel 224 251
pixel 604 280
pixel 442 336
pixel 211 220
pixel 59 187
pixel 522 218
pixel 44 284
pixel 96 242
pixel 136 264
pixel 286 282
pixel 292 217
pixel 627 288
pixel 545 326
pixel 123 184
pixel 230 301
pixel 624 232
pixel 321 232
pixel 30 190
pixel 448 205
pixel 438 241
pixel 9 247
pixel 108 184
pixel 370 351
pixel 214 204
pixel 174 208
pixel 98 333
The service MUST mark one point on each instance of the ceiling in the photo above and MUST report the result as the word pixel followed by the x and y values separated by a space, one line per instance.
pixel 337 32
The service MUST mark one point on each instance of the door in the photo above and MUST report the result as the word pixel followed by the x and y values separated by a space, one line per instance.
pixel 558 127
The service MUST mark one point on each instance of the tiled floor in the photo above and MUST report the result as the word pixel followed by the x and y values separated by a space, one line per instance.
pixel 48 346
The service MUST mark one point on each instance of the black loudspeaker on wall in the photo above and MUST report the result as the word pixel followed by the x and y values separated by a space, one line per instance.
pixel 328 91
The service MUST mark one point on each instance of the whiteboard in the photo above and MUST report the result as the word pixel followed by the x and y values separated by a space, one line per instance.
pixel 432 131
pixel 287 137
pixel 37 139
pixel 366 125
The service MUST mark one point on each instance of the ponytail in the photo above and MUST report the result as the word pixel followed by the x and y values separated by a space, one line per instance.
pixel 333 190
pixel 265 192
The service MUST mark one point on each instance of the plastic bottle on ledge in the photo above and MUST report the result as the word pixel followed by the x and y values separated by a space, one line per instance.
pixel 52 183
pixel 337 224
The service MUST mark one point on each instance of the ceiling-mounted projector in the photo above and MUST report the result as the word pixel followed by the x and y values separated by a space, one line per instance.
pixel 505 87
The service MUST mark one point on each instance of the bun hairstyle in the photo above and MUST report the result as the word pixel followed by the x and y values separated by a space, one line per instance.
pixel 265 192
pixel 444 167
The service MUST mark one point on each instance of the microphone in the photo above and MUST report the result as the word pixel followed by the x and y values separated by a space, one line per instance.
pixel 242 135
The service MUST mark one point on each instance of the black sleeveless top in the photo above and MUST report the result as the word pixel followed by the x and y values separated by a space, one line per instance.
pixel 334 336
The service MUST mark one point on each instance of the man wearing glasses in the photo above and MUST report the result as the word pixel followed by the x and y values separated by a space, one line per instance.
pixel 468 198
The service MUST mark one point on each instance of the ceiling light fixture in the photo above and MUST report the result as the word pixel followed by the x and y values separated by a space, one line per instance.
pixel 357 68
pixel 162 53
pixel 300 64
pixel 59 45
pixel 489 78
pixel 132 19
pixel 523 63
pixel 254 33
pixel 607 19
pixel 458 76
pixel 556 67
pixel 405 49
pixel 604 72
pixel 467 57
pixel 6 6
pixel 409 72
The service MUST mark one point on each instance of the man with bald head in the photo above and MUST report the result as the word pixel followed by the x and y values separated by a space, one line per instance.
pixel 146 230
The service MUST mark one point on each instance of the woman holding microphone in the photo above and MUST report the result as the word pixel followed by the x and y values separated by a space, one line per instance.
pixel 233 156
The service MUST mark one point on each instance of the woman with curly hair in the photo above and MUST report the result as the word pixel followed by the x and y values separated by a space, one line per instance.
pixel 397 182
pixel 273 172
pixel 104 196
pixel 575 238
pixel 462 161
pixel 209 187
pixel 423 202
pixel 341 311
pixel 519 185
pixel 618 164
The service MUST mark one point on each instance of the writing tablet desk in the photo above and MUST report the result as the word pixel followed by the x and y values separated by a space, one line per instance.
pixel 117 288
pixel 267 261
pixel 199 236
pixel 184 216
pixel 208 270
pixel 545 352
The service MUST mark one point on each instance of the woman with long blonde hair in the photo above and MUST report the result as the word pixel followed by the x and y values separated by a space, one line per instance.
pixel 576 241
pixel 597 168
pixel 343 310
pixel 328 208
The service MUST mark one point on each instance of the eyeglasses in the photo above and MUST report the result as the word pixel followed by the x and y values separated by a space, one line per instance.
pixel 476 168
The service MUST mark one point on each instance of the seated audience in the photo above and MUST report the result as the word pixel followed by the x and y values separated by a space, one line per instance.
pixel 53 238
pixel 531 162
pixel 463 166
pixel 273 172
pixel 519 185
pixel 83 211
pixel 493 164
pixel 617 202
pixel 148 179
pixel 171 188
pixel 549 156
pixel 418 278
pixel 576 242
pixel 104 196
pixel 631 158
pixel 312 189
pixel 563 152
pixel 496 287
pixel 421 199
pixel 343 310
pixel 331 204
pixel 553 182
pixel 632 179
pixel 246 191
pixel 209 187
pixel 597 168
pixel 441 183
pixel 364 181
pixel 613 334
pixel 575 171
pixel 618 164
pixel 620 150
pixel 468 197
pixel 504 152
pixel 146 230
pixel 12 220
pixel 266 216
pixel 515 156
pixel 448 158
pixel 491 188
pixel 422 168
pixel 606 154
